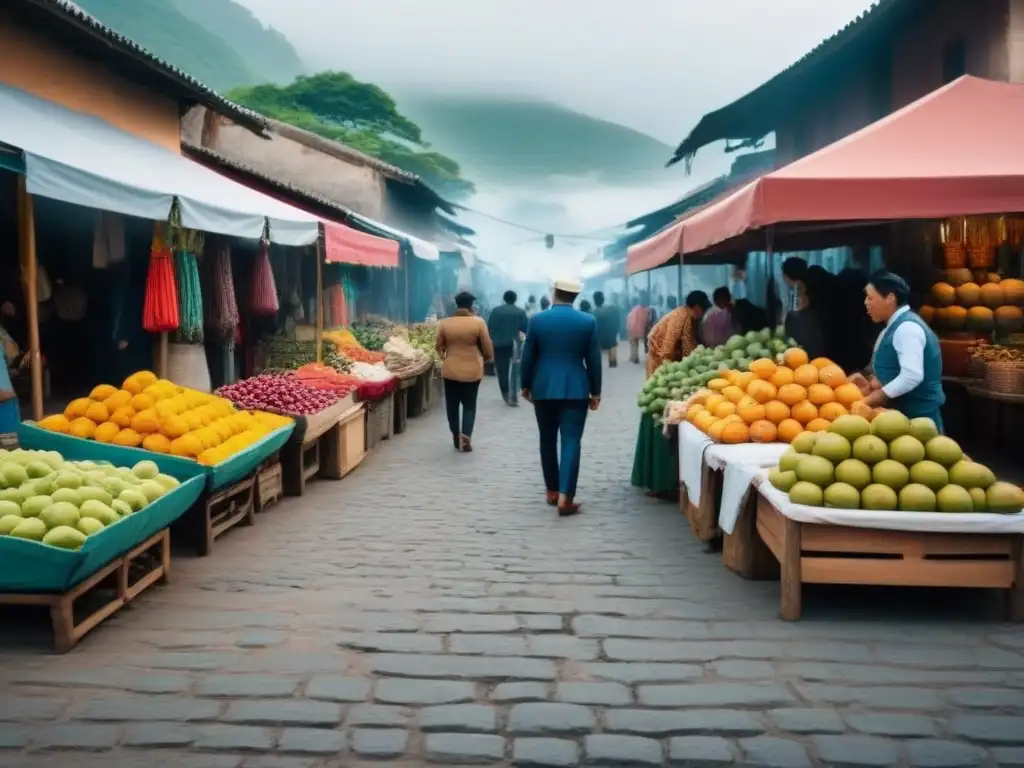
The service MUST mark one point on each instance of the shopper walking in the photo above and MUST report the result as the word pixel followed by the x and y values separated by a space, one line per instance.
pixel 562 378
pixel 464 344
pixel 507 325
pixel 609 321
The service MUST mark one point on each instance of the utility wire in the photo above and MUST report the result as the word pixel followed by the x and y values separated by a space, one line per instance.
pixel 543 233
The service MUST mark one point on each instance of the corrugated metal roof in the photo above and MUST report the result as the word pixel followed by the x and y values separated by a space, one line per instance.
pixel 733 121
pixel 74 15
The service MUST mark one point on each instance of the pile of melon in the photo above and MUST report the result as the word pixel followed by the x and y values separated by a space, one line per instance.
pixel 891 463
pixel 775 402
pixel 961 304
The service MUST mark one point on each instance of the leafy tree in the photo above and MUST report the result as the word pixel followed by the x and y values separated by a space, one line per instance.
pixel 337 106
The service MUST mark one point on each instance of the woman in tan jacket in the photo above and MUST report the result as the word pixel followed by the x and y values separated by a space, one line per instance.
pixel 464 344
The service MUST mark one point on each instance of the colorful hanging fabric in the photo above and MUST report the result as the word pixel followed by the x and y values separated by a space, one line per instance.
pixel 190 298
pixel 264 289
pixel 222 306
pixel 160 308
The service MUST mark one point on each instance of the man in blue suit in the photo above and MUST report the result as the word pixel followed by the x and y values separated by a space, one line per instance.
pixel 561 376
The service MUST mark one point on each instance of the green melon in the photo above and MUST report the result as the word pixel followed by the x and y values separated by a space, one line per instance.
pixel 784 481
pixel 953 498
pixel 816 470
pixel 842 496
pixel 879 498
pixel 1004 498
pixel 854 473
pixel 888 425
pixel 870 450
pixel 929 474
pixel 808 494
pixel 891 474
pixel 917 498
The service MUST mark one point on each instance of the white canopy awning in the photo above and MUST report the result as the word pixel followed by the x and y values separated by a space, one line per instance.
pixel 80 159
pixel 420 248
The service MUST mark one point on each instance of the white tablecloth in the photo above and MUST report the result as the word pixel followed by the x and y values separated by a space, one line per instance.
pixel 932 522
pixel 740 465
pixel 692 444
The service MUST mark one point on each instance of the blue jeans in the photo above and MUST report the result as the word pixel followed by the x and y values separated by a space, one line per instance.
pixel 565 419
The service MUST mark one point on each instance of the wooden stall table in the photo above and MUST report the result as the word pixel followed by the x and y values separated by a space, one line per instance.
pixel 817 545
pixel 300 457
pixel 344 449
pixel 107 591
pixel 379 421
pixel 730 471
pixel 401 405
pixel 699 487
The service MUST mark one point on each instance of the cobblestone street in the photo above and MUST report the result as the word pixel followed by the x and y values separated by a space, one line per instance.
pixel 430 609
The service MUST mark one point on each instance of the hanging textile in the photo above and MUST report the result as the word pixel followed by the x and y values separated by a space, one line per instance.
pixel 160 308
pixel 264 289
pixel 222 308
pixel 338 306
pixel 108 240
pixel 190 298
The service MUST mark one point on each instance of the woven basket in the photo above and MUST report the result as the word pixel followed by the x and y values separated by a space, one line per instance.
pixel 956 255
pixel 976 368
pixel 956 356
pixel 1004 377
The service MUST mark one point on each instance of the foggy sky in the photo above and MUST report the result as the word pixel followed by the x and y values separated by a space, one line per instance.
pixel 654 65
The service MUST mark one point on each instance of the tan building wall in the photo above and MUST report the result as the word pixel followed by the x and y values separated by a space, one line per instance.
pixel 347 183
pixel 31 62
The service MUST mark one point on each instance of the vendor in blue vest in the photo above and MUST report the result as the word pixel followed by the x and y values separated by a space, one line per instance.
pixel 907 361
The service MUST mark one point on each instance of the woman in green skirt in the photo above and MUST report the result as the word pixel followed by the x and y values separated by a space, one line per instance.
pixel 656 461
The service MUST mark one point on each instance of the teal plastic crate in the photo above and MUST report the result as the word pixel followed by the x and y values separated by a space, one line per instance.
pixel 220 476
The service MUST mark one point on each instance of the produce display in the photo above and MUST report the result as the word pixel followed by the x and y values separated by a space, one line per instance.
pixel 890 463
pixel 424 337
pixel 977 301
pixel 370 336
pixel 288 355
pixel 159 416
pixel 775 402
pixel 348 346
pixel 680 380
pixel 403 359
pixel 327 379
pixel 282 393
pixel 372 372
pixel 994 353
pixel 61 503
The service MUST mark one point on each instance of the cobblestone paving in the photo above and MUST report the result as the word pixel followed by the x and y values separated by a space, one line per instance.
pixel 431 610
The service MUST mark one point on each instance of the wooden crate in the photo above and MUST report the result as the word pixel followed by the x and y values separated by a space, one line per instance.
pixel 109 590
pixel 344 449
pixel 216 513
pixel 415 398
pixel 300 464
pixel 743 551
pixel 269 486
pixel 385 412
pixel 829 554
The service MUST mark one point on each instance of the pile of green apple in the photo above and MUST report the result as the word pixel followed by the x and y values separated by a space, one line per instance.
pixel 48 499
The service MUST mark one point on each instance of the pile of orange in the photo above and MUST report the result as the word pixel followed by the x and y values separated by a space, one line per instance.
pixel 774 403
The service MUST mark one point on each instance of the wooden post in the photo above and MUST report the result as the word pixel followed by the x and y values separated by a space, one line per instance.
pixel 792 576
pixel 320 297
pixel 163 346
pixel 27 243
pixel 407 264
pixel 679 278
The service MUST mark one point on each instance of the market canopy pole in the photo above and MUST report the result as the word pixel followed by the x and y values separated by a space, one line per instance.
pixel 407 264
pixel 320 297
pixel 27 242
pixel 679 274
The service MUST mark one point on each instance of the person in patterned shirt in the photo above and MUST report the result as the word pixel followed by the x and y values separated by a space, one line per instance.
pixel 675 335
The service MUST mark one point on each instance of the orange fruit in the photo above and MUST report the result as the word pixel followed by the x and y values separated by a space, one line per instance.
pixel 862 409
pixel 791 394
pixel 745 401
pixel 762 391
pixel 752 413
pixel 848 394
pixel 733 393
pixel 806 375
pixel 819 394
pixel 789 429
pixel 725 409
pixel 763 368
pixel 714 401
pixel 703 422
pixel 832 375
pixel 117 400
pixel 776 411
pixel 106 432
pixel 699 398
pixel 821 362
pixel 717 385
pixel 128 437
pixel 733 419
pixel 157 443
pixel 763 432
pixel 97 412
pixel 818 425
pixel 804 412
pixel 715 431
pixel 691 414
pixel 735 433
pixel 142 402
pixel 77 408
pixel 101 392
pixel 782 377
pixel 832 411
pixel 794 358
pixel 743 380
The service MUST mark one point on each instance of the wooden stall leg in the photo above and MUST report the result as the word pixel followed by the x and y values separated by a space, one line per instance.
pixel 63 619
pixel 791 600
pixel 1015 601
pixel 165 559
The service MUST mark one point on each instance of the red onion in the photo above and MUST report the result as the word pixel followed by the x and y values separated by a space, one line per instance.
pixel 278 392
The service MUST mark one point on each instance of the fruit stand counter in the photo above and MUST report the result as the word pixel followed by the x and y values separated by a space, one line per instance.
pixel 820 545
pixel 116 560
pixel 301 455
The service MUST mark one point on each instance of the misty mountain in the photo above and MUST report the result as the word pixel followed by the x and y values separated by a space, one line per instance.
pixel 497 140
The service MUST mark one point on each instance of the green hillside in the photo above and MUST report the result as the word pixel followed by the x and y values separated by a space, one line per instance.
pixel 509 139
pixel 228 48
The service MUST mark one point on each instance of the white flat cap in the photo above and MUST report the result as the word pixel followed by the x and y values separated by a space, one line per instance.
pixel 568 286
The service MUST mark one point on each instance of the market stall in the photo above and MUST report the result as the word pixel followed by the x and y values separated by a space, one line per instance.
pixel 74 525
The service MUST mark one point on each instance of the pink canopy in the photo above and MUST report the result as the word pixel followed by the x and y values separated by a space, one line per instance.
pixel 954 152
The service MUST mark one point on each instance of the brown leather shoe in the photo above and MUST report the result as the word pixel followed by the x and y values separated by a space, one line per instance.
pixel 467 446
pixel 551 497
pixel 568 509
